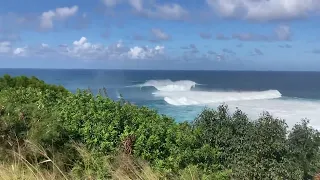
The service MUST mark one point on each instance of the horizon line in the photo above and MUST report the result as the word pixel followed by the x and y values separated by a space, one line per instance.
pixel 118 69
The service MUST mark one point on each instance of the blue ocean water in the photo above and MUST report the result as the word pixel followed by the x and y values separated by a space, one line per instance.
pixel 183 94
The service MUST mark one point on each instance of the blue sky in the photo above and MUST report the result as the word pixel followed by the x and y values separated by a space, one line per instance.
pixel 161 34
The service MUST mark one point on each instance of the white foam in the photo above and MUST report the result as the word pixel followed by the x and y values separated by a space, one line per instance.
pixel 254 103
pixel 292 110
pixel 168 85
pixel 203 97
pixel 251 103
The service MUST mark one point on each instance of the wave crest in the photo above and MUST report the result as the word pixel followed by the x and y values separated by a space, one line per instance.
pixel 170 86
pixel 205 97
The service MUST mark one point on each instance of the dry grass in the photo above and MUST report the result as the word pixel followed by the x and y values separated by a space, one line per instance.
pixel 19 168
pixel 121 167
pixel 128 169
pixel 21 172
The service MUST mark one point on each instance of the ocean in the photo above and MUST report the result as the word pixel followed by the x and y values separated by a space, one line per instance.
pixel 184 94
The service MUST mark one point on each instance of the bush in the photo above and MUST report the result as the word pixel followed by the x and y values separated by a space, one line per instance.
pixel 217 145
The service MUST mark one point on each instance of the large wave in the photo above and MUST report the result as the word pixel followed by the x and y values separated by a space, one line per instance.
pixel 181 93
pixel 168 85
pixel 205 97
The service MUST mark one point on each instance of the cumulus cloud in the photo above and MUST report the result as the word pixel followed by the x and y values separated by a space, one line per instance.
pixel 47 18
pixel 159 35
pixel 20 51
pixel 83 49
pixel 145 52
pixel 264 10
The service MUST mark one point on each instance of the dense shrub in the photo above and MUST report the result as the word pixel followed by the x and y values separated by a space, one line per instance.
pixel 217 145
pixel 22 81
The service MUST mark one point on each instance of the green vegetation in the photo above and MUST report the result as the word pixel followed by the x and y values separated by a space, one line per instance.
pixel 47 132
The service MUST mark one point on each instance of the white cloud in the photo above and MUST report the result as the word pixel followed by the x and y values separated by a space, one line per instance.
pixel 20 51
pixel 145 52
pixel 47 18
pixel 84 49
pixel 159 34
pixel 5 47
pixel 66 12
pixel 264 10
pixel 136 52
pixel 82 41
pixel 43 45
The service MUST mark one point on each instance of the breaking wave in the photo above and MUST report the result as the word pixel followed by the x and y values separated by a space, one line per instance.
pixel 180 93
pixel 183 93
pixel 184 98
pixel 168 85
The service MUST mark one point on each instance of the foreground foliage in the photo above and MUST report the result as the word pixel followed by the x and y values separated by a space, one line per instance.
pixel 83 136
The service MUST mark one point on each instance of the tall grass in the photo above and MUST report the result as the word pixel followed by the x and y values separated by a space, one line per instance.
pixel 119 167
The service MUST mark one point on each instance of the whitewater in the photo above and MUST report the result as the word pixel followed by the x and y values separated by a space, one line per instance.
pixel 182 93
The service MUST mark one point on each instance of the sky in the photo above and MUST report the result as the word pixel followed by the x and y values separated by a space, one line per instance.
pixel 161 34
